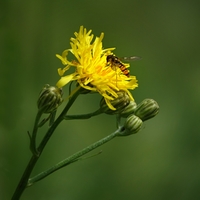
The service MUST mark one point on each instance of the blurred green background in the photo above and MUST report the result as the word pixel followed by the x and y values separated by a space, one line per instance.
pixel 160 162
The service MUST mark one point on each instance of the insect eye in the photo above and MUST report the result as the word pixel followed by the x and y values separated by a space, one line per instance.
pixel 109 58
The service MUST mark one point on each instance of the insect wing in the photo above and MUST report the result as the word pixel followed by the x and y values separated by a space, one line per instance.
pixel 131 58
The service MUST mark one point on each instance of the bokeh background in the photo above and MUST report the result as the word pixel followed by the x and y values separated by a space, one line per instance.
pixel 160 162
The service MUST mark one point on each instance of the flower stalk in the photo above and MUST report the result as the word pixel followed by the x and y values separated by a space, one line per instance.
pixel 34 158
pixel 83 116
pixel 72 158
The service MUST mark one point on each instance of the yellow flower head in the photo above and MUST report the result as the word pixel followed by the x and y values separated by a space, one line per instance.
pixel 92 70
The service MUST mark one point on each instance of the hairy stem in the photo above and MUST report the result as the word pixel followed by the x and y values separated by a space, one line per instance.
pixel 71 159
pixel 24 179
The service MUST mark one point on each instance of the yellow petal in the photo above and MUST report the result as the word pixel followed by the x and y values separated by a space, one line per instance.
pixel 64 80
pixel 109 104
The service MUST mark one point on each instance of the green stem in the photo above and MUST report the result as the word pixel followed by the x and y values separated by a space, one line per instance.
pixel 24 179
pixel 72 158
pixel 34 133
pixel 83 116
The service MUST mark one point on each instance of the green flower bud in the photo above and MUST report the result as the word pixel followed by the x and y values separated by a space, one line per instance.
pixel 49 99
pixel 129 109
pixel 119 103
pixel 147 109
pixel 131 126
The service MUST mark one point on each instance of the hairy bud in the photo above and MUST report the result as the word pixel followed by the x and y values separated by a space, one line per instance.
pixel 119 103
pixel 49 99
pixel 147 109
pixel 132 125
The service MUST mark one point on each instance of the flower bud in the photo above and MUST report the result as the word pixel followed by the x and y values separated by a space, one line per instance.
pixel 129 109
pixel 49 99
pixel 119 103
pixel 131 126
pixel 147 109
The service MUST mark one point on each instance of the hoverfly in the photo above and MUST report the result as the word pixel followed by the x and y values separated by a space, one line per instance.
pixel 114 61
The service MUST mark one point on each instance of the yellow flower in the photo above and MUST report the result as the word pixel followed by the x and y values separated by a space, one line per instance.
pixel 91 69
